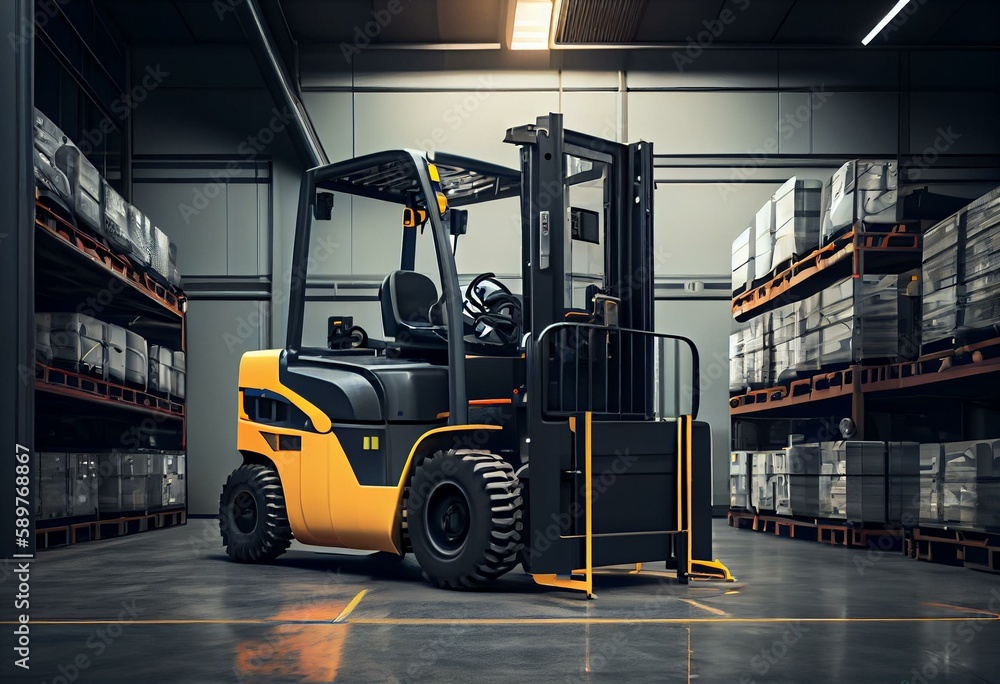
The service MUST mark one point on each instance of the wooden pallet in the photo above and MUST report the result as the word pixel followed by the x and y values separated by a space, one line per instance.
pixel 66 535
pixel 974 549
pixel 825 531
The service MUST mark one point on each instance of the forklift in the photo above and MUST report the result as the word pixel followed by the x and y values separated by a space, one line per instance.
pixel 489 428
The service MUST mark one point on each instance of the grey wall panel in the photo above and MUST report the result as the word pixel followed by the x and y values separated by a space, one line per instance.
pixel 701 322
pixel 694 225
pixel 332 242
pixel 470 123
pixel 954 71
pixel 332 114
pixel 595 113
pixel 862 124
pixel 218 335
pixel 795 124
pixel 200 238
pixel 689 68
pixel 493 242
pixel 703 123
pixel 954 123
pixel 838 69
pixel 243 233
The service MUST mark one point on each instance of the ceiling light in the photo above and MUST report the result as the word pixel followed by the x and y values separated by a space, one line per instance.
pixel 532 22
pixel 885 20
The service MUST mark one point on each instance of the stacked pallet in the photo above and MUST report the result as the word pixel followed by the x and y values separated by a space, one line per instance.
pixel 87 346
pixel 960 484
pixel 859 482
pixel 961 274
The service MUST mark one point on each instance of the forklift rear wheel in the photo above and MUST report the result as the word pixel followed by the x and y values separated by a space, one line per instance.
pixel 252 515
pixel 463 512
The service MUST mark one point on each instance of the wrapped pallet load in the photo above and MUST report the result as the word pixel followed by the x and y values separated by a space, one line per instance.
pixel 739 479
pixel 943 289
pixel 743 261
pixel 116 345
pixel 763 232
pixel 139 236
pixel 136 364
pixel 47 139
pixel 115 218
pixel 862 192
pixel 796 219
pixel 85 182
pixel 982 265
pixel 77 343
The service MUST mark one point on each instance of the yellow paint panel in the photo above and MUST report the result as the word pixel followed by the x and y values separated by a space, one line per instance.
pixel 259 370
pixel 375 442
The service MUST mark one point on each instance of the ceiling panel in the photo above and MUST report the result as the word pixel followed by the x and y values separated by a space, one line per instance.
pixel 976 22
pixel 672 21
pixel 832 22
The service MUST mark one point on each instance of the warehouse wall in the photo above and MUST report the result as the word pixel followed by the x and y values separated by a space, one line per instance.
pixel 189 136
pixel 821 107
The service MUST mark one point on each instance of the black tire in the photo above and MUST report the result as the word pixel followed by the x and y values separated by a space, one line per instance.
pixel 252 515
pixel 463 513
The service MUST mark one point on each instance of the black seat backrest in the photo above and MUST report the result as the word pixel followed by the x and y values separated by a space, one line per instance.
pixel 407 298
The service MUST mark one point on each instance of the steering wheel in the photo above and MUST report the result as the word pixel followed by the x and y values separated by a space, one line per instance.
pixel 499 309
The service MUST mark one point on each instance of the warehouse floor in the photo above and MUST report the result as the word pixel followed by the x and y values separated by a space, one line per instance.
pixel 168 606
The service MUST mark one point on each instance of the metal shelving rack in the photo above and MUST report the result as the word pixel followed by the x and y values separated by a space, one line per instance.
pixel 70 266
pixel 953 380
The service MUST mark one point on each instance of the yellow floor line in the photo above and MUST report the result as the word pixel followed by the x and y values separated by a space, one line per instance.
pixel 351 606
pixel 710 609
pixel 641 621
pixel 508 621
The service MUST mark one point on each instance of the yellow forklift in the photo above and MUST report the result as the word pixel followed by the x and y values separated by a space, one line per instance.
pixel 489 428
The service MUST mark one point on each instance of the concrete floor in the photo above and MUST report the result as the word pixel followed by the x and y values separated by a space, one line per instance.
pixel 168 606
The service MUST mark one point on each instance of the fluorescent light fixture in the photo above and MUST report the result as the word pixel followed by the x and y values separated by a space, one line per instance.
pixel 885 20
pixel 532 21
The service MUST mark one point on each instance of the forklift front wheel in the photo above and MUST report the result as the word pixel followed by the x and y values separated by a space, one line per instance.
pixel 252 515
pixel 463 514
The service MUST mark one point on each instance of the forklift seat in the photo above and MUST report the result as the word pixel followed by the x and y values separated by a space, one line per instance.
pixel 407 299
